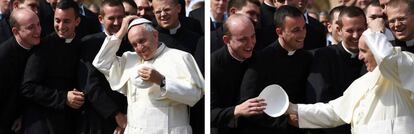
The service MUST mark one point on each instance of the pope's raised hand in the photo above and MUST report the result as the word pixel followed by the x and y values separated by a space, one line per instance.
pixel 124 27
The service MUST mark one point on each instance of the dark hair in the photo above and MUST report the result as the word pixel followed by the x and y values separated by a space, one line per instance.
pixel 283 11
pixel 334 10
pixel 239 4
pixel 67 4
pixel 175 2
pixel 398 3
pixel 111 3
pixel 374 3
pixel 132 3
pixel 351 11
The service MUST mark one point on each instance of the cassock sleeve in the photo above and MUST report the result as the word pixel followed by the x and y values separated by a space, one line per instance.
pixel 395 65
pixel 111 65
pixel 251 87
pixel 105 101
pixel 34 90
pixel 319 115
pixel 188 89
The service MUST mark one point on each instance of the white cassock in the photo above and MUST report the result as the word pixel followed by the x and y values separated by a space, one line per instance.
pixel 151 109
pixel 379 102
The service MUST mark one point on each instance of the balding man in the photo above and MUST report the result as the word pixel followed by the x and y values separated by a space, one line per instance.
pixel 5 28
pixel 228 66
pixel 159 82
pixel 52 95
pixel 13 55
pixel 283 62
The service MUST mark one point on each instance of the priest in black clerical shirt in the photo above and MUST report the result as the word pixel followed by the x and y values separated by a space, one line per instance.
pixel 13 56
pixel 49 84
pixel 228 65
pixel 171 31
pixel 334 68
pixel 284 63
pixel 104 108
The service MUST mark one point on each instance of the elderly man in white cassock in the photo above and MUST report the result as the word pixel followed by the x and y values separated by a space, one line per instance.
pixel 379 102
pixel 159 82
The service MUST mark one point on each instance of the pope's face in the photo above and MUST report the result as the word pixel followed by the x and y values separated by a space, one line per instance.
pixel 144 43
pixel 366 55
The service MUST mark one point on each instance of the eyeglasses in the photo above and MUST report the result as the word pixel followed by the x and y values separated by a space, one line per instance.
pixel 398 20
pixel 165 10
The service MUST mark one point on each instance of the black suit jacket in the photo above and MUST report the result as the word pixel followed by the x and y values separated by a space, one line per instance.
pixel 198 14
pixel 266 15
pixel 46 15
pixel 184 39
pixel 5 30
pixel 315 35
pixel 216 39
pixel 192 24
pixel 13 62
pixel 89 24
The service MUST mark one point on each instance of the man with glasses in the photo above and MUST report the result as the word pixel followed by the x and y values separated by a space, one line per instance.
pixel 400 15
pixel 171 31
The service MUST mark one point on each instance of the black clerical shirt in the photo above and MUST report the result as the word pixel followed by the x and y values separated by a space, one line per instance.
pixel 50 73
pixel 273 65
pixel 226 77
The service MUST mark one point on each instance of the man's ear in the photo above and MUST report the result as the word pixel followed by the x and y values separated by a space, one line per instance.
pixel 339 29
pixel 78 20
pixel 179 8
pixel 16 4
pixel 14 30
pixel 329 26
pixel 232 10
pixel 100 18
pixel 279 31
pixel 226 39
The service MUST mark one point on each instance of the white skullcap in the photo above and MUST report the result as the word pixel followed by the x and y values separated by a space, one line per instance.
pixel 138 21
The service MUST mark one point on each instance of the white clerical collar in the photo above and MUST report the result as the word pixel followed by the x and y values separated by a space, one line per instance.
pixel 22 46
pixel 268 4
pixel 69 40
pixel 306 16
pixel 161 47
pixel 290 53
pixel 410 43
pixel 174 30
pixel 353 55
pixel 214 20
pixel 235 57
pixel 106 33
